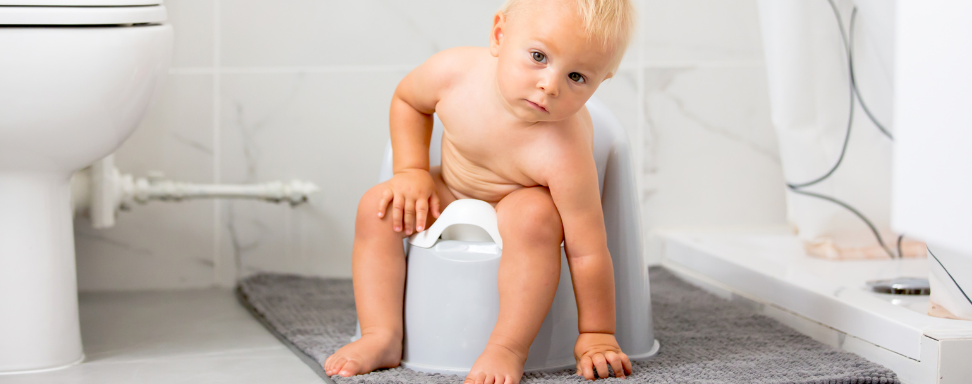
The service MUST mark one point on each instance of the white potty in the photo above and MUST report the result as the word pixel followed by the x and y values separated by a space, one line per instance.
pixel 451 293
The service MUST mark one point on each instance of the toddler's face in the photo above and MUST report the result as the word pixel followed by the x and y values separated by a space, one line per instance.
pixel 547 67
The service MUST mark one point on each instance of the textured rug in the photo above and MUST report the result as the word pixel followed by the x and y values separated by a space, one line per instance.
pixel 704 339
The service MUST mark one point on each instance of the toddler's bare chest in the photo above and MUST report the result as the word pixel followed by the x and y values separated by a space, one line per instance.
pixel 475 132
pixel 479 144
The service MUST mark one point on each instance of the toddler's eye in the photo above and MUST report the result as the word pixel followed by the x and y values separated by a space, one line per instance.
pixel 539 57
pixel 576 77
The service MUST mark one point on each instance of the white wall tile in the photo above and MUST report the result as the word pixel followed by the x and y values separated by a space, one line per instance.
pixel 330 129
pixel 711 157
pixel 700 30
pixel 698 120
pixel 620 94
pixel 162 244
pixel 192 21
pixel 343 33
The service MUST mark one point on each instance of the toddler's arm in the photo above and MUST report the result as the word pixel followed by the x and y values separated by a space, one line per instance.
pixel 411 191
pixel 574 188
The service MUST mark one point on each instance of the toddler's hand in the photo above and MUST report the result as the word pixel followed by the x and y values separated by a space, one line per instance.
pixel 411 192
pixel 598 350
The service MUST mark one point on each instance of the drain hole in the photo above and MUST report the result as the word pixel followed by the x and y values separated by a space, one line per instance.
pixel 901 286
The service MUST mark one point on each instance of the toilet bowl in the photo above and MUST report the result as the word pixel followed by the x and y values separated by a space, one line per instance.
pixel 75 80
pixel 451 291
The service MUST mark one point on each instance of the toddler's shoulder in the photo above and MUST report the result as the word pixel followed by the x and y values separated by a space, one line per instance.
pixel 579 130
pixel 455 61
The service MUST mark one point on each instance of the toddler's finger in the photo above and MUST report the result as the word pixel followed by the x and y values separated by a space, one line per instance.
pixel 386 197
pixel 626 362
pixel 397 206
pixel 435 205
pixel 409 223
pixel 421 210
pixel 601 364
pixel 588 367
pixel 615 362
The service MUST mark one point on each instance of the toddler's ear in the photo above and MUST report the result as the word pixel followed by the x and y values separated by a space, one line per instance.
pixel 496 34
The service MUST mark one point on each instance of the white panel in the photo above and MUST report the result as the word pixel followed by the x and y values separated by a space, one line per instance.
pixel 932 160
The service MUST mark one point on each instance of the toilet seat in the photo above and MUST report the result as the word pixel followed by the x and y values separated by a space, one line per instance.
pixel 81 12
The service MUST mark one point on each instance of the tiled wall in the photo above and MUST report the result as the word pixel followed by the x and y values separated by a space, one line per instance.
pixel 300 89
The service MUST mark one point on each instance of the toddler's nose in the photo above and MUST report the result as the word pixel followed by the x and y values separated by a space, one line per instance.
pixel 549 86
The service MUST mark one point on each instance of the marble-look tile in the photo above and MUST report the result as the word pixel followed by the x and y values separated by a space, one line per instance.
pixel 192 21
pixel 161 244
pixel 620 94
pixel 700 30
pixel 348 33
pixel 710 151
pixel 330 129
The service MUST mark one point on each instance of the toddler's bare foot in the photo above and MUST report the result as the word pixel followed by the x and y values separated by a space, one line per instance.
pixel 370 352
pixel 496 365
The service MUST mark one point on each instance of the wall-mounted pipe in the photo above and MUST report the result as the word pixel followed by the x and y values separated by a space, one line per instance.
pixel 100 191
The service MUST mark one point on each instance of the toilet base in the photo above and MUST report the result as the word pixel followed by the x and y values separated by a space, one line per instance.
pixel 42 370
pixel 39 329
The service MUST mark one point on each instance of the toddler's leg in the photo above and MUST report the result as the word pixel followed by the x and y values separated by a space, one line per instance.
pixel 378 273
pixel 528 276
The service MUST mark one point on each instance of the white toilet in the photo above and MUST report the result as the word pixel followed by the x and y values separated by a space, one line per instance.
pixel 76 76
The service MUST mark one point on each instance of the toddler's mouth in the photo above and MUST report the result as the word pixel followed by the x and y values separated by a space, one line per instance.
pixel 537 106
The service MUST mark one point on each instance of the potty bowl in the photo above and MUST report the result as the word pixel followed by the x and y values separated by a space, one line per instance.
pixel 452 296
pixel 451 283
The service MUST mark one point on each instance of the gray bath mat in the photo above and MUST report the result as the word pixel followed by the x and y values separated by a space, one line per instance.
pixel 704 339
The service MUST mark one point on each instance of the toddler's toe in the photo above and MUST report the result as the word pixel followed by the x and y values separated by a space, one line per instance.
pixel 350 368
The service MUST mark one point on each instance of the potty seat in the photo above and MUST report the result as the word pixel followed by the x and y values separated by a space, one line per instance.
pixel 451 293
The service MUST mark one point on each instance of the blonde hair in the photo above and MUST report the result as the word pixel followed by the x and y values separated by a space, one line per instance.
pixel 609 21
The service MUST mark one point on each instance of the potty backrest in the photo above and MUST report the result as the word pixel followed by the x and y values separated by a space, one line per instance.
pixel 622 222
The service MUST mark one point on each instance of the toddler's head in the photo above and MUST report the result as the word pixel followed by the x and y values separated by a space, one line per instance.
pixel 553 54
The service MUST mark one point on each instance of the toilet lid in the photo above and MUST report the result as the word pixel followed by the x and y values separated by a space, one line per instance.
pixel 81 12
pixel 79 3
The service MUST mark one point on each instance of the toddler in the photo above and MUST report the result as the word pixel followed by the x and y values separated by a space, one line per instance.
pixel 518 136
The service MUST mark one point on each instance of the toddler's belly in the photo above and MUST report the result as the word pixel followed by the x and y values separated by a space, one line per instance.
pixel 468 181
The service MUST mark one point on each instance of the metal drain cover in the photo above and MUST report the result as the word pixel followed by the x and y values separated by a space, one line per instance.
pixel 901 286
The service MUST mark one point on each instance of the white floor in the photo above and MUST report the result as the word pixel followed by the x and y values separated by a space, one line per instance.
pixel 200 336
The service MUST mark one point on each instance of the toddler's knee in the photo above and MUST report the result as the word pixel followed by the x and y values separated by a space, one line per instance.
pixel 367 217
pixel 535 215
pixel 369 201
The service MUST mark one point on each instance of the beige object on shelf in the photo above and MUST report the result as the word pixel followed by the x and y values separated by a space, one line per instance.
pixel 828 249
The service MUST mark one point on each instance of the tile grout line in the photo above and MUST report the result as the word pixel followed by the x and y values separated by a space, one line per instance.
pixel 217 204
pixel 640 64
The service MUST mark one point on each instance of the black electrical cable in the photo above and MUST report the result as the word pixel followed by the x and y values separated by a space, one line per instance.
pixel 854 211
pixel 850 114
pixel 850 118
pixel 849 46
pixel 848 41
pixel 949 275
pixel 900 254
